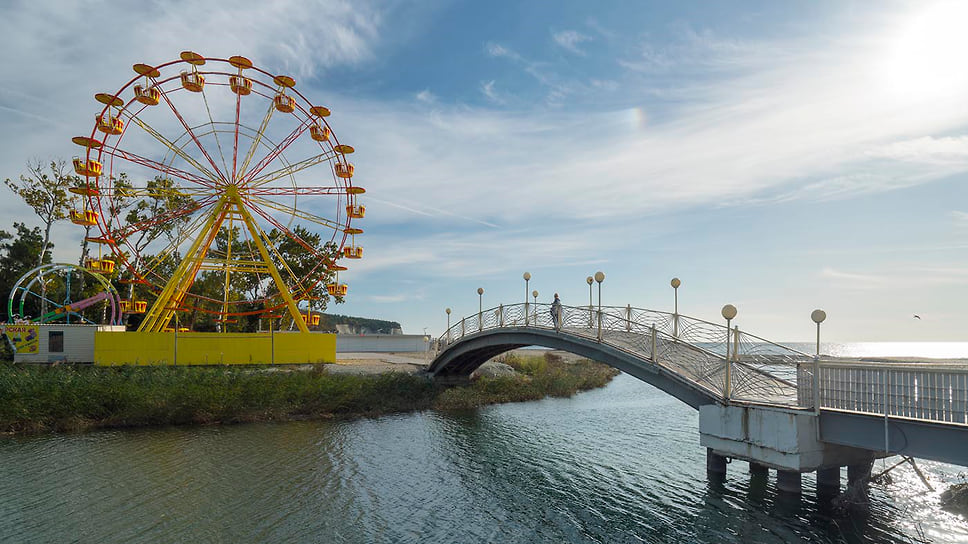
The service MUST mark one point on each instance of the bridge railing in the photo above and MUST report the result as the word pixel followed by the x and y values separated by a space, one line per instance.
pixel 924 391
pixel 756 371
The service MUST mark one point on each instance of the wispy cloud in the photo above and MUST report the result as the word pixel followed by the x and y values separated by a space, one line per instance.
pixel 959 219
pixel 497 50
pixel 926 149
pixel 900 278
pixel 487 88
pixel 426 96
pixel 570 40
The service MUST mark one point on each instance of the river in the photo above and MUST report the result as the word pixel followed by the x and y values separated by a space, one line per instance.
pixel 618 464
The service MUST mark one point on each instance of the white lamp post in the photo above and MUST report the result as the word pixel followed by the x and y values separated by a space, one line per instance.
pixel 535 295
pixel 675 313
pixel 818 316
pixel 480 308
pixel 729 312
pixel 448 324
pixel 527 278
pixel 590 280
pixel 599 277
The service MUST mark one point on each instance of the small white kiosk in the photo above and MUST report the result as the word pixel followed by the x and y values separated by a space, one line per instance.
pixel 53 342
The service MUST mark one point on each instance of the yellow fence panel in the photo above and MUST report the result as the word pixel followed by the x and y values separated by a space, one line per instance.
pixel 133 348
pixel 202 348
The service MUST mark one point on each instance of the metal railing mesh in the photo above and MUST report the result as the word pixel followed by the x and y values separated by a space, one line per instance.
pixel 757 370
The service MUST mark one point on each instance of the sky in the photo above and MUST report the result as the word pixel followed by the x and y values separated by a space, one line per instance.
pixel 776 156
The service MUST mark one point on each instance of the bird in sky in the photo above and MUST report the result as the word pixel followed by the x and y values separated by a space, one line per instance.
pixel 916 316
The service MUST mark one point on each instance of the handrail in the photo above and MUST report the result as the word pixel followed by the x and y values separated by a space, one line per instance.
pixel 756 376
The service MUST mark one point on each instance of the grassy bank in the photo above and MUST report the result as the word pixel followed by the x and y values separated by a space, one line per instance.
pixel 68 398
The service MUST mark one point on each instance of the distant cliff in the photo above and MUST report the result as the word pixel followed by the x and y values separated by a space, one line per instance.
pixel 358 325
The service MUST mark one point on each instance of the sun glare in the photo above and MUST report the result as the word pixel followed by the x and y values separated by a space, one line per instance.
pixel 929 52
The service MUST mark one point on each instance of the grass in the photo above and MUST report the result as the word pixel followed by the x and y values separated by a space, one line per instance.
pixel 71 398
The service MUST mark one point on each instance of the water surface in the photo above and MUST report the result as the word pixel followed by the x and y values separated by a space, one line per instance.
pixel 619 464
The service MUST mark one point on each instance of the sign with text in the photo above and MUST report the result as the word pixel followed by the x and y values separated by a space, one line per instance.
pixel 23 338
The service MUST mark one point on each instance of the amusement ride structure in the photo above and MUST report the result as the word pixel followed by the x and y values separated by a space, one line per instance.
pixel 234 161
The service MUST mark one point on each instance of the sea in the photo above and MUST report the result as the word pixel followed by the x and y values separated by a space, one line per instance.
pixel 620 464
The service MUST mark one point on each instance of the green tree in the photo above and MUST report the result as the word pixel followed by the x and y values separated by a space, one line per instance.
pixel 47 194
pixel 18 254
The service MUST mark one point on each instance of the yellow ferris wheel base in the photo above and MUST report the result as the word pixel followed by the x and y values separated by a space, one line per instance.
pixel 212 348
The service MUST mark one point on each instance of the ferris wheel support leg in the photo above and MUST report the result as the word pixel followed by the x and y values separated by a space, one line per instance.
pixel 162 310
pixel 273 271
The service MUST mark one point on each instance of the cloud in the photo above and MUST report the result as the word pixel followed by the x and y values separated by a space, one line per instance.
pixel 899 279
pixel 926 149
pixel 959 219
pixel 570 40
pixel 498 51
pixel 487 88
pixel 853 280
pixel 392 299
pixel 426 96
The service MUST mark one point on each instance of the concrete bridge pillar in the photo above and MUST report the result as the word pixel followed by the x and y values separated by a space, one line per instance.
pixel 858 472
pixel 715 465
pixel 828 480
pixel 759 471
pixel 788 481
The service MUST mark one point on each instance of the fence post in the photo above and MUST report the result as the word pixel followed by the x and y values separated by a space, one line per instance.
pixel 655 358
pixel 736 342
pixel 816 385
pixel 628 318
pixel 462 329
pixel 599 325
pixel 558 322
pixel 500 308
pixel 884 379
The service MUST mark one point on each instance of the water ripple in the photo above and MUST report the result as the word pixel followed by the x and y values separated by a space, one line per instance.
pixel 621 464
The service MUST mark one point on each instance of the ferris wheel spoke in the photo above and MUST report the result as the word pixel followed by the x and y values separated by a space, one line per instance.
pixel 275 152
pixel 145 192
pixel 297 191
pixel 322 221
pixel 174 243
pixel 257 141
pixel 235 144
pixel 174 148
pixel 191 133
pixel 290 169
pixel 218 143
pixel 155 165
pixel 167 217
pixel 290 234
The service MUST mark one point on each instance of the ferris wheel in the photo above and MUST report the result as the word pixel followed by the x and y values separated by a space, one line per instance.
pixel 64 293
pixel 217 188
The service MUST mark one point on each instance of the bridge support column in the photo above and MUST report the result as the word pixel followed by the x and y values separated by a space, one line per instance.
pixel 828 480
pixel 759 471
pixel 788 481
pixel 858 472
pixel 715 465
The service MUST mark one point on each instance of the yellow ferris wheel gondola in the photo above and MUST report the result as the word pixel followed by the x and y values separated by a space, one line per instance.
pixel 231 156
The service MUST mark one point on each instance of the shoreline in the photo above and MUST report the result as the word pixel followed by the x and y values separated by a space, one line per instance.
pixel 67 398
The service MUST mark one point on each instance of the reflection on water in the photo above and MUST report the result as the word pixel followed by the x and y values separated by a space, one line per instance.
pixel 621 464
pixel 921 350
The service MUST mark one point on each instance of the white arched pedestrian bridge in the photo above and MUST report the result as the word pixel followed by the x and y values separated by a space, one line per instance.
pixel 919 409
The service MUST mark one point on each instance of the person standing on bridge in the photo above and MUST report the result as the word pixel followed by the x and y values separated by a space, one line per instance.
pixel 556 311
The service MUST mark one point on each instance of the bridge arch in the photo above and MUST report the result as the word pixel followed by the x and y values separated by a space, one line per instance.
pixel 464 356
